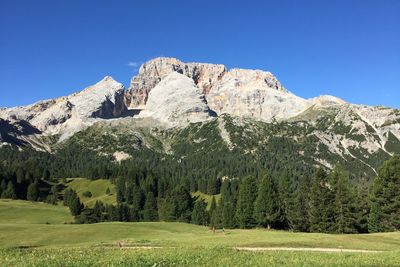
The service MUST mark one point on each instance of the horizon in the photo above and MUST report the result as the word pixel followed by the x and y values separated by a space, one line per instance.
pixel 345 49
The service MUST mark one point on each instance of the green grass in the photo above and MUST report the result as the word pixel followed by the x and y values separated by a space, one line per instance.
pixel 26 240
pixel 96 187
pixel 206 198
pixel 182 245
pixel 213 256
pixel 181 235
pixel 26 212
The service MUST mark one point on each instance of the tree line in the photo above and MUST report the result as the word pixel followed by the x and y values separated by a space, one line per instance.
pixel 152 188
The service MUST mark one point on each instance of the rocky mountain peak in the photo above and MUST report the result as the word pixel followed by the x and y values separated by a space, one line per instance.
pixel 176 101
pixel 152 72
pixel 68 114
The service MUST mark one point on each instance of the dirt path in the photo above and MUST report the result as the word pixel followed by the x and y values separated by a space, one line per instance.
pixel 305 249
pixel 261 249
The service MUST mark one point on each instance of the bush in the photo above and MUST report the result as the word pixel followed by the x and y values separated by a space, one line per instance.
pixel 87 194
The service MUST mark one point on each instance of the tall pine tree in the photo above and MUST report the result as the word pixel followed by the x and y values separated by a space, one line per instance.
pixel 245 203
pixel 385 197
pixel 266 208
pixel 321 203
pixel 344 202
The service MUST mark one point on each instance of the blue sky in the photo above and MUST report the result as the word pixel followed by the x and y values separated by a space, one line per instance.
pixel 350 49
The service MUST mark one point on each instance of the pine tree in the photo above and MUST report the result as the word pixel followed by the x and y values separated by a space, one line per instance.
pixel 121 190
pixel 137 203
pixel 52 198
pixel 76 206
pixel 385 197
pixel 166 210
pixel 266 207
pixel 200 215
pixel 33 191
pixel 98 210
pixel 321 211
pixel 245 203
pixel 227 206
pixel 9 192
pixel 373 219
pixel 213 213
pixel 150 212
pixel 344 203
pixel 298 214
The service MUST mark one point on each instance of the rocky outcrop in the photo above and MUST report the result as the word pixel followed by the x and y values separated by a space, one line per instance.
pixel 248 93
pixel 153 71
pixel 66 115
pixel 253 93
pixel 176 101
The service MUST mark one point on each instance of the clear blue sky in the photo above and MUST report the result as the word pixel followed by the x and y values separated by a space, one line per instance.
pixel 350 49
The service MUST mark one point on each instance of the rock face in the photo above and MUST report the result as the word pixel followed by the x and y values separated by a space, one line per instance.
pixel 153 71
pixel 176 101
pixel 247 93
pixel 253 93
pixel 66 115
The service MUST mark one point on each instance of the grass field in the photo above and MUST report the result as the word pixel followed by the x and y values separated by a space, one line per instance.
pixel 98 189
pixel 25 240
pixel 26 212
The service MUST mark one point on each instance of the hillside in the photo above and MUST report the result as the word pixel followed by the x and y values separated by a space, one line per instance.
pixel 97 188
pixel 27 212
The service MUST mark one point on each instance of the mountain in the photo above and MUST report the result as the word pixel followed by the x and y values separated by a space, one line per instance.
pixel 193 111
pixel 65 116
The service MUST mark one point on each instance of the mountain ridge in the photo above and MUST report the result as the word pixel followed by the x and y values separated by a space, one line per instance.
pixel 169 96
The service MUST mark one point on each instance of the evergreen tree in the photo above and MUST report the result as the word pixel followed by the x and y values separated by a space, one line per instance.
pixel 227 206
pixel 213 213
pixel 266 207
pixel 245 203
pixel 362 210
pixel 98 210
pixel 344 203
pixel 121 190
pixel 52 198
pixel 136 210
pixel 385 197
pixel 373 219
pixel 9 192
pixel 76 206
pixel 200 215
pixel 150 212
pixel 321 211
pixel 166 210
pixel 298 214
pixel 182 202
pixel 33 191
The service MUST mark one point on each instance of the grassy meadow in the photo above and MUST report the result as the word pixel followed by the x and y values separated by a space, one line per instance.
pixel 98 189
pixel 25 212
pixel 36 234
